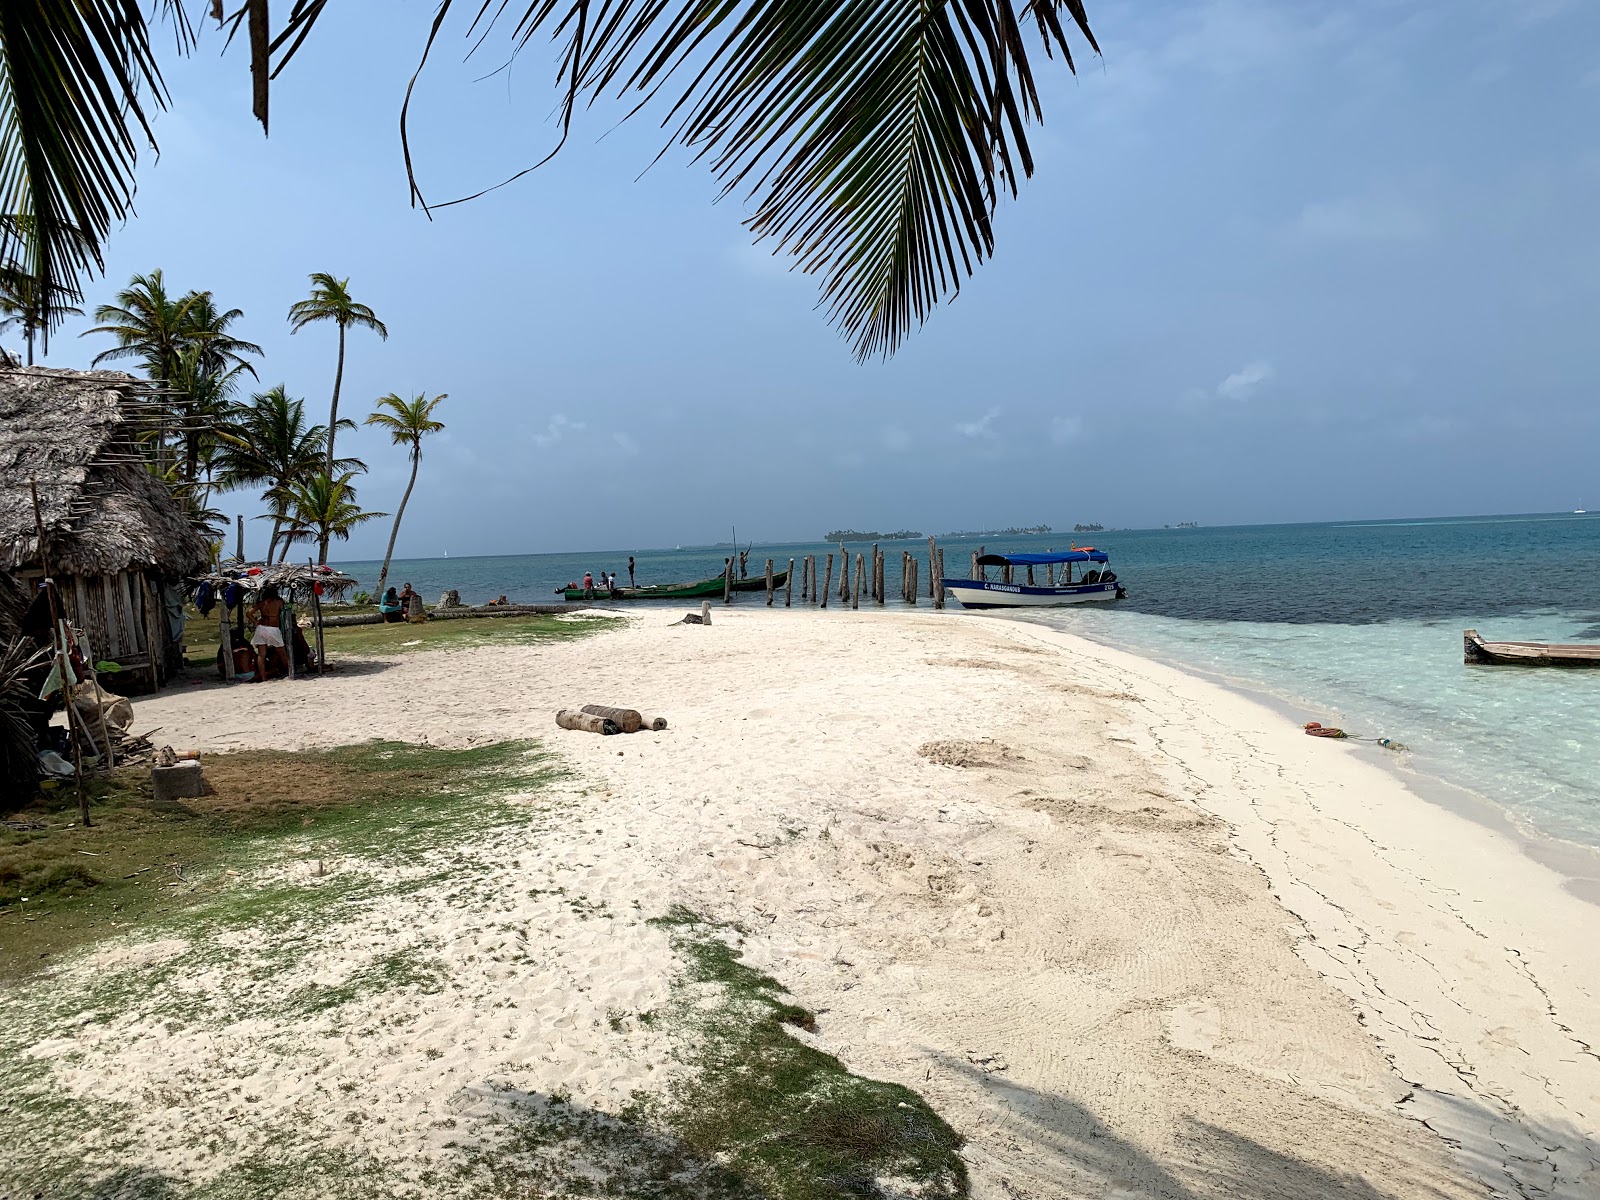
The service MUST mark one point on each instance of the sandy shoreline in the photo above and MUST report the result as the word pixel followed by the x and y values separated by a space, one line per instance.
pixel 1130 933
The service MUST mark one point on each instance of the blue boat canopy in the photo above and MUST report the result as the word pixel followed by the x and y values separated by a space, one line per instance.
pixel 1039 560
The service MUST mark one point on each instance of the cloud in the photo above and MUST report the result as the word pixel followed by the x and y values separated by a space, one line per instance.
pixel 1361 219
pixel 558 428
pixel 1242 384
pixel 626 443
pixel 895 439
pixel 983 427
pixel 1065 429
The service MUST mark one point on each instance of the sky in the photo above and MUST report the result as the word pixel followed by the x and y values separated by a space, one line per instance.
pixel 1279 261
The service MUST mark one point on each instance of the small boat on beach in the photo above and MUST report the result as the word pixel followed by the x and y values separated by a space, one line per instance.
pixel 694 590
pixel 1478 652
pixel 1007 592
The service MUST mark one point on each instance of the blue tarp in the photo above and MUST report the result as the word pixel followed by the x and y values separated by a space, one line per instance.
pixel 1039 560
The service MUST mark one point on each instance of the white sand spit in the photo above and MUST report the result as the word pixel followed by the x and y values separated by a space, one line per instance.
pixel 1132 935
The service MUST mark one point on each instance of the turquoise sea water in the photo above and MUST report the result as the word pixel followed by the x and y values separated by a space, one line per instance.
pixel 1358 623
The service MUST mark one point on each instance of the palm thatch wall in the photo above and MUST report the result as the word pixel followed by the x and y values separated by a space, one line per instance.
pixel 117 544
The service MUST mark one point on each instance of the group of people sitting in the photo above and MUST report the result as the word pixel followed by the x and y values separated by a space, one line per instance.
pixel 393 606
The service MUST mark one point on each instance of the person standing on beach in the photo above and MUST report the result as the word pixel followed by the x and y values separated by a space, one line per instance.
pixel 630 572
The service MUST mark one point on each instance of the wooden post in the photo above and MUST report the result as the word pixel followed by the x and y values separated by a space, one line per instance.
pixel 316 619
pixel 769 583
pixel 844 574
pixel 827 580
pixel 225 639
pixel 872 581
pixel 727 581
pixel 882 577
pixel 239 545
pixel 911 586
pixel 938 575
pixel 1030 576
pixel 805 575
pixel 1050 574
pixel 860 570
pixel 974 564
pixel 933 571
pixel 788 590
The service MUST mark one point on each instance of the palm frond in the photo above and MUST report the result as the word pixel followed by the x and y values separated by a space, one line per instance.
pixel 874 136
pixel 75 78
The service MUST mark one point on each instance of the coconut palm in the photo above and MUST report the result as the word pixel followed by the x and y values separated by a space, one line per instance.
pixel 408 422
pixel 323 508
pixel 148 323
pixel 267 443
pixel 873 137
pixel 23 307
pixel 330 301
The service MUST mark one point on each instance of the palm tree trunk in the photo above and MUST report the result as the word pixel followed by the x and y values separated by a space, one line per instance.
pixel 30 345
pixel 416 461
pixel 333 418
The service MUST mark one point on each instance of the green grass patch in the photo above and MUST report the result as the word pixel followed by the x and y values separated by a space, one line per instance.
pixel 787 1117
pixel 201 638
pixel 64 885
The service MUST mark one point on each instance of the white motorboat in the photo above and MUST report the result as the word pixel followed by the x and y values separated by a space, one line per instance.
pixel 1020 586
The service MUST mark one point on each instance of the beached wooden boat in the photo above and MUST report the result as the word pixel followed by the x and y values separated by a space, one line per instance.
pixel 1527 654
pixel 676 591
pixel 1094 584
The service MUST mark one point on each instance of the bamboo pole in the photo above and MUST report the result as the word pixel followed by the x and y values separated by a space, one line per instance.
pixel 769 583
pixel 827 580
pixel 788 590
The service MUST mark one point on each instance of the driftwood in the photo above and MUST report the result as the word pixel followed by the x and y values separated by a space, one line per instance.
pixel 652 724
pixel 569 718
pixel 703 617
pixel 627 720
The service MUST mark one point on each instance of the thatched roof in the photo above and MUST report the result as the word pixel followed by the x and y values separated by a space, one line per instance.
pixel 289 578
pixel 72 432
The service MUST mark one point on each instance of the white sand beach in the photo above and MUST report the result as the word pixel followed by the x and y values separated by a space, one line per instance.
pixel 1130 934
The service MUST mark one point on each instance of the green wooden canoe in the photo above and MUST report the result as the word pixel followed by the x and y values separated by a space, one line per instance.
pixel 678 591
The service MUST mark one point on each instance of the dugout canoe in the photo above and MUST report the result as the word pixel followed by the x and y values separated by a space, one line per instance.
pixel 676 591
pixel 1478 652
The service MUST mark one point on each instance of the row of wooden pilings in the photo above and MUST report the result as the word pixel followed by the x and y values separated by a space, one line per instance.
pixel 870 577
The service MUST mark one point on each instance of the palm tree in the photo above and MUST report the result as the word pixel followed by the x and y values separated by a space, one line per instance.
pixel 408 422
pixel 268 443
pixel 874 139
pixel 148 323
pixel 183 342
pixel 330 301
pixel 323 508
pixel 23 306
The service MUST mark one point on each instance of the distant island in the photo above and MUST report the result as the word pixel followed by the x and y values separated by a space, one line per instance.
pixel 1088 529
pixel 1013 532
pixel 1183 525
pixel 857 535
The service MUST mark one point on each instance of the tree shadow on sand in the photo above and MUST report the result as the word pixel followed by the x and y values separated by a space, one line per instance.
pixel 1215 1163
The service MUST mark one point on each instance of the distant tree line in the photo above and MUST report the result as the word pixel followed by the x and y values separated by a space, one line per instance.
pixel 857 535
pixel 1012 532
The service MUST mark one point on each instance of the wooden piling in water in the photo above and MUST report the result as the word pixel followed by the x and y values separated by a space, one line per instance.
pixel 933 572
pixel 769 583
pixel 938 579
pixel 827 580
pixel 860 567
pixel 727 582
pixel 974 564
pixel 788 590
pixel 911 588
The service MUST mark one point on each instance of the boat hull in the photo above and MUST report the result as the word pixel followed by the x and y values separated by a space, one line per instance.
pixel 1480 653
pixel 676 591
pixel 979 593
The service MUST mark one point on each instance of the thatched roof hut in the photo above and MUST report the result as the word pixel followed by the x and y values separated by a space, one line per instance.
pixel 116 542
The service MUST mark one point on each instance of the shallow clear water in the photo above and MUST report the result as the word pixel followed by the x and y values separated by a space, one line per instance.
pixel 1360 622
